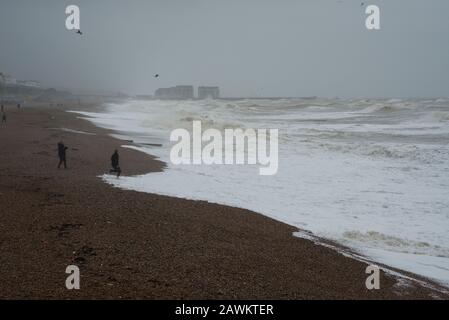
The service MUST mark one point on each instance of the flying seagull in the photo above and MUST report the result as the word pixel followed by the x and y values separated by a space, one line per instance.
pixel 79 32
pixel 156 75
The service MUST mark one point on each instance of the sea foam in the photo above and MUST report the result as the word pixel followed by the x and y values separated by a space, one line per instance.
pixel 370 174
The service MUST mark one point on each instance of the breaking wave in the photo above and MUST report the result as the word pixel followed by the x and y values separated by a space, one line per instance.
pixel 380 240
pixel 345 167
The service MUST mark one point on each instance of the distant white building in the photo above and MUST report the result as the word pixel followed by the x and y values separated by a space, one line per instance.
pixel 29 83
pixel 9 80
pixel 178 92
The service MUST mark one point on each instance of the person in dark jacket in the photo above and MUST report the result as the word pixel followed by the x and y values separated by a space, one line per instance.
pixel 4 117
pixel 115 164
pixel 61 153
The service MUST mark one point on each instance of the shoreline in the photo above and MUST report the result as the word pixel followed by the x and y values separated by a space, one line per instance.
pixel 138 245
pixel 351 252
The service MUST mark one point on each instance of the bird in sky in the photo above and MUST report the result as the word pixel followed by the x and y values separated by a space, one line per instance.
pixel 156 75
pixel 79 32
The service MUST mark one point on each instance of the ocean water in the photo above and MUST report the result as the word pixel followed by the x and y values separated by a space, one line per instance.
pixel 370 174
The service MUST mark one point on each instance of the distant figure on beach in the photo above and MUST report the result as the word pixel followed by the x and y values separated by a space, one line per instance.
pixel 61 153
pixel 115 164
pixel 3 108
pixel 4 117
pixel 18 106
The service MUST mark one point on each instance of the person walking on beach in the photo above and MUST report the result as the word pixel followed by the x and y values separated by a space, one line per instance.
pixel 3 108
pixel 4 117
pixel 61 153
pixel 115 164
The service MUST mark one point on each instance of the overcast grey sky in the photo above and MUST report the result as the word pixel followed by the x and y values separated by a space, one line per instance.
pixel 247 47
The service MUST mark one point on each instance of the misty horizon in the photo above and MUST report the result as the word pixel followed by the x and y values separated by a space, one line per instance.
pixel 251 49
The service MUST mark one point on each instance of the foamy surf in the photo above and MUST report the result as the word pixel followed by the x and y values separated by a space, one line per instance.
pixel 370 174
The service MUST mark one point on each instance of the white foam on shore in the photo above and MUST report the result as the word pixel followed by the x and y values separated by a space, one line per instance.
pixel 370 174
